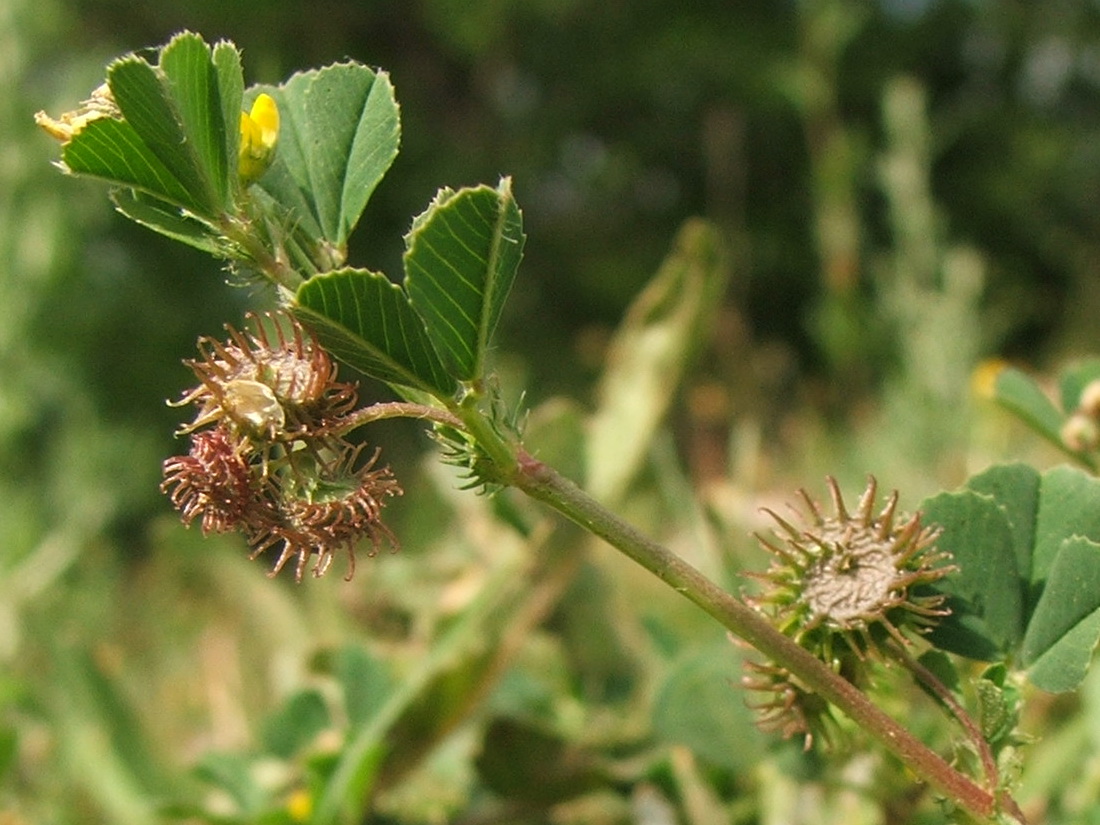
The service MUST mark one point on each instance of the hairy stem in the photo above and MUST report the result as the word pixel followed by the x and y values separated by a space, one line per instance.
pixel 543 483
pixel 278 271
pixel 500 452
pixel 989 762
pixel 400 409
pixel 944 695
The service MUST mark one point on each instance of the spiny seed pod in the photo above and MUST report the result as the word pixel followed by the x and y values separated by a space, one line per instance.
pixel 268 452
pixel 790 709
pixel 345 506
pixel 842 586
pixel 212 482
pixel 269 387
pixel 851 578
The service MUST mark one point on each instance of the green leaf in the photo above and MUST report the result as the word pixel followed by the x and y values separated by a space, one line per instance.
pixel 649 354
pixel 288 180
pixel 194 84
pixel 1062 667
pixel 368 323
pixel 366 682
pixel 339 132
pixel 1073 381
pixel 171 138
pixel 460 260
pixel 1015 487
pixel 154 214
pixel 555 432
pixel 296 723
pixel 469 637
pixel 1065 628
pixel 112 151
pixel 1053 524
pixel 147 105
pixel 1020 394
pixel 302 239
pixel 984 595
pixel 9 750
pixel 525 764
pixel 698 706
pixel 998 705
pixel 230 75
pixel 1069 505
pixel 94 693
pixel 235 776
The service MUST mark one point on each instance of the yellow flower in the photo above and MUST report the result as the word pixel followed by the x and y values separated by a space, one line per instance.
pixel 259 134
pixel 299 806
pixel 983 380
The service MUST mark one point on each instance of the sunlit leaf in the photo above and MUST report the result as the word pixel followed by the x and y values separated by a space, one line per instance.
pixel 339 134
pixel 146 104
pixel 461 258
pixel 368 323
pixel 230 76
pixel 1065 627
pixel 169 137
pixel 194 83
pixel 985 595
pixel 111 150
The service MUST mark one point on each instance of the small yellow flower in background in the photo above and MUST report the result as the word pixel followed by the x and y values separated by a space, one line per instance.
pixel 983 380
pixel 259 134
pixel 300 805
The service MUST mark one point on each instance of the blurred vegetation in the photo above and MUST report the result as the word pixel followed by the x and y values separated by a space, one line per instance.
pixel 907 188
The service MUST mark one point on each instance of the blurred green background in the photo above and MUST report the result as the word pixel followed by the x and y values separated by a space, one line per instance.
pixel 906 188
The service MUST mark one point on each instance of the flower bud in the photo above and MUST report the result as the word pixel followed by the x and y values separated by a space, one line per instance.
pixel 259 134
pixel 1081 432
pixel 1090 400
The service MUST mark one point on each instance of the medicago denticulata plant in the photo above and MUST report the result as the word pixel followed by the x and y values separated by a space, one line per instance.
pixel 272 181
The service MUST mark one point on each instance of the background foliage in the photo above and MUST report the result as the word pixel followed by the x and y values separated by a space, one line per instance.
pixel 907 187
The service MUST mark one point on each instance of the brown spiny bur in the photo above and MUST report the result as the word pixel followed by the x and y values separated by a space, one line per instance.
pixel 269 454
pixel 843 586
pixel 855 576
pixel 275 386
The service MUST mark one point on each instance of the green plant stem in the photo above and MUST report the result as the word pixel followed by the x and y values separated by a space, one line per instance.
pixel 985 753
pixel 515 467
pixel 400 409
pixel 247 238
pixel 480 426
pixel 544 484
pixel 947 698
